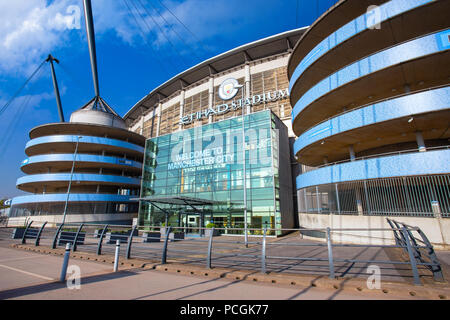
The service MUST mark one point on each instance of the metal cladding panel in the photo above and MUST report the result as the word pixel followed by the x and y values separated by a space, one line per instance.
pixel 422 102
pixel 42 159
pixel 74 197
pixel 351 29
pixel 82 177
pixel 84 139
pixel 405 52
pixel 419 163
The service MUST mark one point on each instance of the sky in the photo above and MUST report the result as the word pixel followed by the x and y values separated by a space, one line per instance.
pixel 140 45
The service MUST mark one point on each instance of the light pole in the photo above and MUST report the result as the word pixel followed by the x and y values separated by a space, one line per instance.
pixel 244 171
pixel 70 181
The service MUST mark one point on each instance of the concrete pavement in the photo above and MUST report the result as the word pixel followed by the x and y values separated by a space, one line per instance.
pixel 27 275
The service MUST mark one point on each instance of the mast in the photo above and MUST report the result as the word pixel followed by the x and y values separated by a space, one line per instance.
pixel 91 39
pixel 50 59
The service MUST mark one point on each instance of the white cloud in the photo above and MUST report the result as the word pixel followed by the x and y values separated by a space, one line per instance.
pixel 30 29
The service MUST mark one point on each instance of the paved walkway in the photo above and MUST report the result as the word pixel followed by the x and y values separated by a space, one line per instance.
pixel 26 275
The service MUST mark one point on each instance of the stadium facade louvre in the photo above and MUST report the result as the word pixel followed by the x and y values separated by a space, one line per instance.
pixel 371 110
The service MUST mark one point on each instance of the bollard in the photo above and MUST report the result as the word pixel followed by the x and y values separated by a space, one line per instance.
pixel 116 257
pixel 65 263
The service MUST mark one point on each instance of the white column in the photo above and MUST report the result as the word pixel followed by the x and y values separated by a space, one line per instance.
pixel 159 118
pixel 142 124
pixel 247 85
pixel 351 152
pixel 182 95
pixel 420 141
pixel 210 96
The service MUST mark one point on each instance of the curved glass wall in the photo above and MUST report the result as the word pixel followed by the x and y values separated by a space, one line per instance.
pixel 208 163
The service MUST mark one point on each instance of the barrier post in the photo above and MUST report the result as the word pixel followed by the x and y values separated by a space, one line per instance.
pixel 208 261
pixel 263 252
pixel 62 278
pixel 330 254
pixel 116 256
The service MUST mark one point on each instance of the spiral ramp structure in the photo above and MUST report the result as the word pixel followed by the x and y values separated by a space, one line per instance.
pixel 106 160
pixel 369 86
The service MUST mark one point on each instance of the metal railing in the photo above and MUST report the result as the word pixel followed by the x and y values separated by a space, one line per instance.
pixel 426 196
pixel 291 253
pixel 4 220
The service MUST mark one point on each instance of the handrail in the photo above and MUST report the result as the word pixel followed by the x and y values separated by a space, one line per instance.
pixel 212 249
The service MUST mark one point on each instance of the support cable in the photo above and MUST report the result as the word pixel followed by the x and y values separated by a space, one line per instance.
pixel 13 124
pixel 7 104
pixel 199 41
pixel 142 31
pixel 160 29
pixel 172 28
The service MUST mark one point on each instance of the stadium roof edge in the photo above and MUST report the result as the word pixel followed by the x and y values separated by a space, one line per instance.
pixel 171 85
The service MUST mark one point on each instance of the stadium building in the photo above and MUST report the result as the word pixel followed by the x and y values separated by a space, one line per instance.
pixel 369 86
pixel 341 124
pixel 191 179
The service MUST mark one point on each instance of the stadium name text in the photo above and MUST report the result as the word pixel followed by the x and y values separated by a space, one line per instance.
pixel 235 105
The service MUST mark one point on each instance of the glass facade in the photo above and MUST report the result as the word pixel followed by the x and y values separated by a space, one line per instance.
pixel 207 162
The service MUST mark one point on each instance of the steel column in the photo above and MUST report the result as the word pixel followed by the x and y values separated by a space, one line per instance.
pixel 38 237
pixel 166 241
pixel 100 241
pixel 91 41
pixel 130 241
pixel 25 232
pixel 412 258
pixel 74 246
pixel 436 267
pixel 55 239
pixel 50 58
pixel 394 231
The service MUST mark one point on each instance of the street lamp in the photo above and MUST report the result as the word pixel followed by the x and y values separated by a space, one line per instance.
pixel 70 181
pixel 244 171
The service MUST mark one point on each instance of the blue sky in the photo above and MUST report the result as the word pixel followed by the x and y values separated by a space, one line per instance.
pixel 131 60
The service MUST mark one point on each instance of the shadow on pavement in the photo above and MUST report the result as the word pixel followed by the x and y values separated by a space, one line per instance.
pixel 55 285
